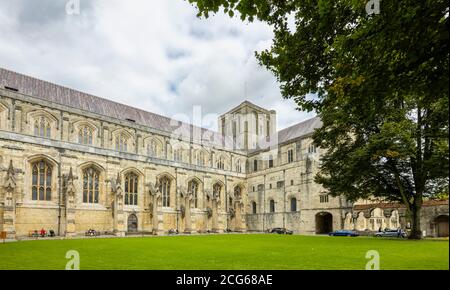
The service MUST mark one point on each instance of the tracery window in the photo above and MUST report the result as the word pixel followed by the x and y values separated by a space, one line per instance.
pixel 152 148
pixel 164 188
pixel 238 166
pixel 85 135
pixel 42 127
pixel 131 189
pixel 178 155
pixel 122 142
pixel 221 163
pixel 41 188
pixel 91 185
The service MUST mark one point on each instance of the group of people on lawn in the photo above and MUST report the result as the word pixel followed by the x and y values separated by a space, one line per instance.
pixel 42 233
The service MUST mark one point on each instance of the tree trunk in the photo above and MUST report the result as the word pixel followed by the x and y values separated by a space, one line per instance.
pixel 416 231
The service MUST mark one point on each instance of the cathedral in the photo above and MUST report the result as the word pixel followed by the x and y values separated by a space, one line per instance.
pixel 71 161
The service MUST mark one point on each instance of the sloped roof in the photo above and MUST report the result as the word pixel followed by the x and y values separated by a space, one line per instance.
pixel 300 129
pixel 65 96
pixel 72 98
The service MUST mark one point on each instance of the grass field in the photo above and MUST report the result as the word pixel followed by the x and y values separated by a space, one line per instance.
pixel 227 252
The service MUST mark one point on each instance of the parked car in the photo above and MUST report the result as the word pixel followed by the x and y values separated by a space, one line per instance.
pixel 281 231
pixel 344 233
pixel 391 233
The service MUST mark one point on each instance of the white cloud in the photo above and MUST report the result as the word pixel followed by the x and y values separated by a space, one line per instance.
pixel 155 55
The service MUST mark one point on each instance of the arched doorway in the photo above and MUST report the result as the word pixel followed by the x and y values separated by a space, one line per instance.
pixel 442 226
pixel 324 223
pixel 132 223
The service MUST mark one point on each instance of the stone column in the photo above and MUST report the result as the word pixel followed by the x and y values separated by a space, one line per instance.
pixel 187 217
pixel 119 216
pixel 70 205
pixel 238 205
pixel 9 210
pixel 215 213
pixel 157 218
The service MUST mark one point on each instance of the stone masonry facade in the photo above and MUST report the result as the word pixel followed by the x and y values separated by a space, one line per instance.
pixel 71 162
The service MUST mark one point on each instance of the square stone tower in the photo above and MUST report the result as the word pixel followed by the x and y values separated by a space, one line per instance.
pixel 248 127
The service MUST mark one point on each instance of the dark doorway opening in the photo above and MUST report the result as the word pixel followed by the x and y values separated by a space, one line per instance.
pixel 442 225
pixel 132 223
pixel 324 223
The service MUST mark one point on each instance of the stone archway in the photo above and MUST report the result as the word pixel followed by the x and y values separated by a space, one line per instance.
pixel 441 223
pixel 132 223
pixel 324 223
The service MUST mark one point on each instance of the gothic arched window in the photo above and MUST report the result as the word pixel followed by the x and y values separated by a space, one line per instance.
pixel 293 204
pixel 200 156
pixel 85 134
pixel 272 206
pixel 131 189
pixel 152 148
pixel 270 161
pixel 221 163
pixel 41 185
pixel 42 127
pixel 193 188
pixel 122 142
pixel 178 155
pixel 254 207
pixel 164 188
pixel 238 166
pixel 91 185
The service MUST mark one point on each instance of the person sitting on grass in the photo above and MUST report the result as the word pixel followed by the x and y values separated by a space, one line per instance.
pixel 43 232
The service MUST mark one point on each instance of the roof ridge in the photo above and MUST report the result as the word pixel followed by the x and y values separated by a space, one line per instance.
pixel 299 123
pixel 82 93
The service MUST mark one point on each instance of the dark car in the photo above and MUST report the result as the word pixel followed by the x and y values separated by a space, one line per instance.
pixel 391 233
pixel 344 233
pixel 281 231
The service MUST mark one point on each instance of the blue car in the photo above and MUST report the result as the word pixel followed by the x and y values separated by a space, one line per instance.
pixel 343 233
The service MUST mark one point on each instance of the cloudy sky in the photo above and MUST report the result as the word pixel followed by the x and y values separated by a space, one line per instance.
pixel 155 55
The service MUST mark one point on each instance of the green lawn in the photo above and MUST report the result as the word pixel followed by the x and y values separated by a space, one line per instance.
pixel 226 252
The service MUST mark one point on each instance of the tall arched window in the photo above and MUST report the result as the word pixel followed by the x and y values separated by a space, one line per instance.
pixel 178 155
pixel 254 207
pixel 290 156
pixel 122 142
pixel 293 204
pixel 164 188
pixel 270 161
pixel 220 163
pixel 42 127
pixel 41 181
pixel 91 185
pixel 131 189
pixel 193 188
pixel 85 134
pixel 201 158
pixel 238 166
pixel 272 206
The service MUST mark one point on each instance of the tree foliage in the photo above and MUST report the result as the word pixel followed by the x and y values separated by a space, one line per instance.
pixel 380 85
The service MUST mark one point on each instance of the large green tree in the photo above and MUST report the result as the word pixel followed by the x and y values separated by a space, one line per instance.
pixel 379 82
